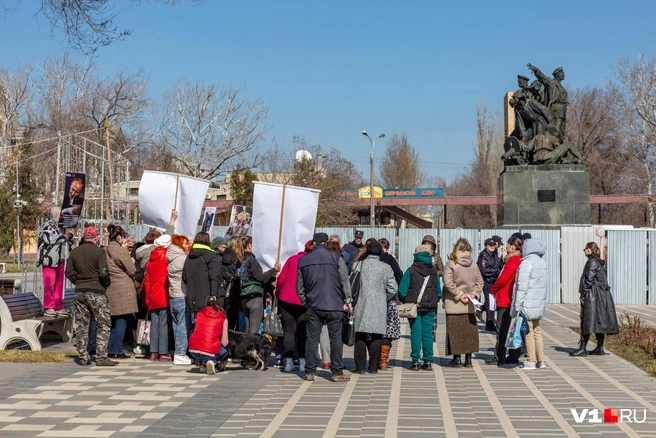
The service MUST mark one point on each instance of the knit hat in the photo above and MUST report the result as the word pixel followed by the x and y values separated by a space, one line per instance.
pixel 320 237
pixel 423 248
pixel 90 232
pixel 430 239
pixel 163 241
pixel 517 235
pixel 218 241
pixel 374 248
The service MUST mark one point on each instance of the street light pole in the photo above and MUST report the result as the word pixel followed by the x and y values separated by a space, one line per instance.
pixel 372 212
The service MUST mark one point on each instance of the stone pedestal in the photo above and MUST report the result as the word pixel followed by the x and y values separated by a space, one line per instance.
pixel 549 195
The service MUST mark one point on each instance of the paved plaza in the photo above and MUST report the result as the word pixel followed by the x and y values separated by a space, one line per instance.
pixel 141 398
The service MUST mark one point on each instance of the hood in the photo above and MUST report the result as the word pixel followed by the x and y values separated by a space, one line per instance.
pixel 464 259
pixel 209 312
pixel 143 248
pixel 174 252
pixel 423 263
pixel 534 246
pixel 228 256
pixel 157 254
pixel 198 250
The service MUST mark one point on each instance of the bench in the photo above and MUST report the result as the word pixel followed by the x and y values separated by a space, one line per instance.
pixel 9 286
pixel 21 318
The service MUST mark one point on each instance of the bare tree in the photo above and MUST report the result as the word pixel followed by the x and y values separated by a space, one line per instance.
pixel 638 101
pixel 88 24
pixel 210 129
pixel 400 166
pixel 16 93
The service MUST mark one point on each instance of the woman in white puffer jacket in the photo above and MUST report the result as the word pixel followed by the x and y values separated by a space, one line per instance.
pixel 530 298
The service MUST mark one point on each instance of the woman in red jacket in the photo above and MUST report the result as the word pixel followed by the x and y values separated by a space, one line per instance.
pixel 503 291
pixel 209 340
pixel 156 296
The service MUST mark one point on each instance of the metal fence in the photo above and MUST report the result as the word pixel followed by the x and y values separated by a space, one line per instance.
pixel 627 262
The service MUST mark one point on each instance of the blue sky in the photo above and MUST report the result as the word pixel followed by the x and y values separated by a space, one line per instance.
pixel 331 69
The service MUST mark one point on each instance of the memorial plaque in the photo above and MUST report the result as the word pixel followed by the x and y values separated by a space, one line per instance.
pixel 546 196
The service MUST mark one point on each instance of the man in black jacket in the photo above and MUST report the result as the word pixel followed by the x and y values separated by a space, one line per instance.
pixel 87 270
pixel 490 265
pixel 323 286
pixel 354 247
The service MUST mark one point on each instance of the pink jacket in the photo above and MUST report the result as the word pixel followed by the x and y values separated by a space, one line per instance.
pixel 286 282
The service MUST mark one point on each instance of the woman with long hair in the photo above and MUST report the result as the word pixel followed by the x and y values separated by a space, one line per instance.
pixel 597 306
pixel 462 281
pixel 502 289
pixel 393 331
pixel 253 281
pixel 201 274
pixel 370 312
pixel 176 256
pixel 209 340
pixel 121 293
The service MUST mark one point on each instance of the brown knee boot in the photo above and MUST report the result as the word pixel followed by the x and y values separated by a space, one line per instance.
pixel 384 357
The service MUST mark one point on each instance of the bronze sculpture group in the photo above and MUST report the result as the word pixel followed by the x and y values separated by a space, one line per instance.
pixel 540 121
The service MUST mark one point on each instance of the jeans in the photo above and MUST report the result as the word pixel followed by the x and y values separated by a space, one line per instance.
pixel 221 355
pixel 534 341
pixel 367 342
pixel 503 325
pixel 119 323
pixel 253 306
pixel 316 319
pixel 181 321
pixel 53 286
pixel 159 331
pixel 421 336
pixel 294 322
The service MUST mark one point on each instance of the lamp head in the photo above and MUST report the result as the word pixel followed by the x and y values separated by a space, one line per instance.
pixel 381 136
pixel 364 133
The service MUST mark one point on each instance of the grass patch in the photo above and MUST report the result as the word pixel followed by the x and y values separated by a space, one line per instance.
pixel 634 343
pixel 26 356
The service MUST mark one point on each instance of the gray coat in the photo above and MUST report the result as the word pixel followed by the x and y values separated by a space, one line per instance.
pixel 378 286
pixel 530 295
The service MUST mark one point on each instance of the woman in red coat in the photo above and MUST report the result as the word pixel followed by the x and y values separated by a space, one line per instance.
pixel 156 296
pixel 209 340
pixel 503 291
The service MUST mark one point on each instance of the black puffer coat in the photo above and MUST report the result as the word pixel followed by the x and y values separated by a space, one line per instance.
pixel 597 306
pixel 202 276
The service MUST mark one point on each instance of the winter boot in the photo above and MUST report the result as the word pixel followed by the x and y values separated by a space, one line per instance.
pixel 384 357
pixel 468 362
pixel 581 351
pixel 455 362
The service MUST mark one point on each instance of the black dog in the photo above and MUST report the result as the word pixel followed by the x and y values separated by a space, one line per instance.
pixel 250 346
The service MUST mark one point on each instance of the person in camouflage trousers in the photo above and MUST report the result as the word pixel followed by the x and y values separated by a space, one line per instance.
pixel 87 270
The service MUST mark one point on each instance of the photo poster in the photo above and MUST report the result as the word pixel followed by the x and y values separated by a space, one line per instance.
pixel 299 215
pixel 208 220
pixel 160 192
pixel 241 220
pixel 73 201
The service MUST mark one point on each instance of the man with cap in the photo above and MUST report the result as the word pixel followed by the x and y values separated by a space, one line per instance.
pixel 437 260
pixel 353 248
pixel 87 270
pixel 498 242
pixel 490 265
pixel 322 285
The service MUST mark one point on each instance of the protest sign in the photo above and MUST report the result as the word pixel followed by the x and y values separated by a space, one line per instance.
pixel 283 220
pixel 73 201
pixel 240 221
pixel 208 220
pixel 160 192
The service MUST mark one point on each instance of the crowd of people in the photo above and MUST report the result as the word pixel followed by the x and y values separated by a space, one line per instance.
pixel 195 293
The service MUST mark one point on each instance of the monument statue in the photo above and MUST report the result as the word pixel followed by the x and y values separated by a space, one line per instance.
pixel 540 121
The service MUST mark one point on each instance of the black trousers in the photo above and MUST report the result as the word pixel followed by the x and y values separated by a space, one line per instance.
pixel 316 319
pixel 367 342
pixel 294 326
pixel 503 325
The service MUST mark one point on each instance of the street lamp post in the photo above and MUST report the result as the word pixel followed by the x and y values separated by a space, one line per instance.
pixel 371 176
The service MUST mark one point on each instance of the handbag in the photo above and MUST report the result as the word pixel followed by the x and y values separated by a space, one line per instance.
pixel 348 329
pixel 356 284
pixel 514 339
pixel 143 331
pixel 409 310
pixel 272 323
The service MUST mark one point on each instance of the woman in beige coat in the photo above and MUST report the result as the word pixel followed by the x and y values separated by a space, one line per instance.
pixel 121 293
pixel 462 281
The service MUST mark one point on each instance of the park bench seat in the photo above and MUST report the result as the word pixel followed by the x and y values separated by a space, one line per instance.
pixel 21 318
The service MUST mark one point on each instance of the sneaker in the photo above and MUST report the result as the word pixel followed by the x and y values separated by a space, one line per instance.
pixel 301 365
pixel 137 350
pixel 83 362
pixel 528 365
pixel 221 366
pixel 289 366
pixel 541 365
pixel 427 366
pixel 106 363
pixel 326 366
pixel 415 366
pixel 340 378
pixel 50 313
pixel 308 377
pixel 181 359
pixel 492 362
pixel 119 356
pixel 210 367
pixel 166 357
